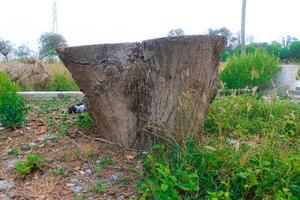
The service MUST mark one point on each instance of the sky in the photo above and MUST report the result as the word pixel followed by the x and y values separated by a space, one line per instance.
pixel 110 21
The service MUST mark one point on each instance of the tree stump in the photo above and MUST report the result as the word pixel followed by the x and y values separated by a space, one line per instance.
pixel 137 91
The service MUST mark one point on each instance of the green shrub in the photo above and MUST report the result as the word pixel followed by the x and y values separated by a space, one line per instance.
pixel 245 115
pixel 84 121
pixel 12 106
pixel 263 166
pixel 61 82
pixel 249 70
pixel 32 162
pixel 99 188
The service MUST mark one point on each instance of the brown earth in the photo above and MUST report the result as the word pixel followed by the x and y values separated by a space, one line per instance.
pixel 75 152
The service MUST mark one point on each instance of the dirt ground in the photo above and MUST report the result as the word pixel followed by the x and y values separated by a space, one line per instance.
pixel 75 160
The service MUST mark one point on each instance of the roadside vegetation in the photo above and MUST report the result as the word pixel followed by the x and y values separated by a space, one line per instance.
pixel 12 106
pixel 249 150
pixel 250 70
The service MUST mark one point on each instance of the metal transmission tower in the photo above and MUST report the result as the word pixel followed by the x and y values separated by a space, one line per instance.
pixel 55 27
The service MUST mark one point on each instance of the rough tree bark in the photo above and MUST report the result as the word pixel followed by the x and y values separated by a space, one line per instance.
pixel 135 90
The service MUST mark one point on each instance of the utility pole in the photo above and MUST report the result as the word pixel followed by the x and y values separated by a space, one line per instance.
pixel 243 27
pixel 54 28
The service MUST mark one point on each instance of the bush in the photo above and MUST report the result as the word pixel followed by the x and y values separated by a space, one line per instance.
pixel 60 82
pixel 84 121
pixel 243 116
pixel 12 106
pixel 249 70
pixel 263 166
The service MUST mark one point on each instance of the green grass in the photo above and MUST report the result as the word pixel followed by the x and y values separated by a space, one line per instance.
pixel 84 121
pixel 31 163
pixel 249 70
pixel 61 82
pixel 250 150
pixel 12 106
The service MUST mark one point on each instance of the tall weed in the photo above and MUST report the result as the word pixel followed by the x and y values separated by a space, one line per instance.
pixel 254 69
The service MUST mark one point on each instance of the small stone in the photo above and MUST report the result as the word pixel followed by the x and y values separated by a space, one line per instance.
pixel 82 172
pixel 74 180
pixel 6 185
pixel 88 172
pixel 10 165
pixel 47 137
pixel 116 176
pixel 76 189
pixel 70 184
pixel 120 198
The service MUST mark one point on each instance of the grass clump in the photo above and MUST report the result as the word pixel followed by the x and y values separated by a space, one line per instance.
pixel 245 116
pixel 250 150
pixel 32 162
pixel 61 82
pixel 12 106
pixel 14 152
pixel 98 188
pixel 254 69
pixel 84 121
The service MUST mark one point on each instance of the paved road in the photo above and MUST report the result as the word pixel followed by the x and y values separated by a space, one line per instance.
pixel 286 78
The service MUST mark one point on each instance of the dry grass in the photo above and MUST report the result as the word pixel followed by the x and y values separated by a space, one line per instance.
pixel 57 68
pixel 51 68
pixel 57 71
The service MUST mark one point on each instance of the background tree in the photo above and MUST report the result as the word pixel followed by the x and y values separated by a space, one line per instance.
pixel 176 32
pixel 286 41
pixel 23 53
pixel 6 47
pixel 233 41
pixel 294 50
pixel 48 42
pixel 243 26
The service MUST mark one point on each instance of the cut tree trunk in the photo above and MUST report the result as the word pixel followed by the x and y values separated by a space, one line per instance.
pixel 139 92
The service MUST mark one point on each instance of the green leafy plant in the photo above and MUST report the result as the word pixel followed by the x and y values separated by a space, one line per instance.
pixel 98 170
pixel 99 188
pixel 106 161
pixel 60 172
pixel 12 106
pixel 32 162
pixel 254 69
pixel 84 121
pixel 14 152
pixel 246 116
pixel 250 150
pixel 61 82
pixel 163 180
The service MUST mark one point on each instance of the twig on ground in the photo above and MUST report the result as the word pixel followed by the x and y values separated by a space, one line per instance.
pixel 72 141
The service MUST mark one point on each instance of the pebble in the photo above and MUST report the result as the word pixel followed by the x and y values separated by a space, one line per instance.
pixel 76 189
pixel 74 180
pixel 10 165
pixel 116 176
pixel 88 172
pixel 120 198
pixel 6 185
pixel 47 137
